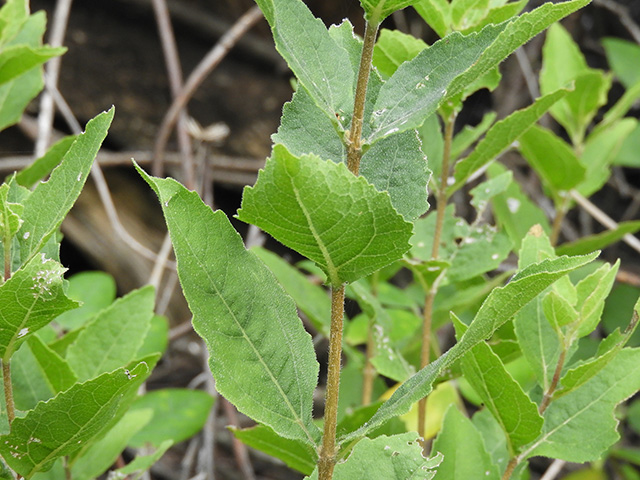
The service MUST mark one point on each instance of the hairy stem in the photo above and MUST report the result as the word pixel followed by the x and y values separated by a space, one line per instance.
pixel 354 142
pixel 546 399
pixel 8 391
pixel 441 197
pixel 327 459
pixel 511 466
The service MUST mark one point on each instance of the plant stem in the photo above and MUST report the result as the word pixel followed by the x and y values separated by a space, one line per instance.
pixel 511 466
pixel 327 459
pixel 441 198
pixel 8 391
pixel 561 212
pixel 354 142
pixel 546 399
pixel 427 316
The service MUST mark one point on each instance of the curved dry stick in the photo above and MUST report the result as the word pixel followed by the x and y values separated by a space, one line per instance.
pixel 174 72
pixel 206 65
pixel 45 117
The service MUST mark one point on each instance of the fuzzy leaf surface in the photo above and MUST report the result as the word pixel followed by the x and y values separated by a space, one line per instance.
pixel 393 48
pixel 323 211
pixel 62 425
pixel 321 66
pixel 417 87
pixel 243 315
pixel 518 32
pixel 499 307
pixel 463 448
pixel 312 299
pixel 386 457
pixel 114 336
pixel 501 136
pixel 589 409
pixel 50 202
pixel 41 167
pixel 29 300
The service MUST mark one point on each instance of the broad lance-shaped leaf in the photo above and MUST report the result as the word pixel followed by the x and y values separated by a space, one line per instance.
pixel 580 426
pixel 599 240
pixel 501 305
pixel 311 299
pixel 114 336
pixel 321 66
pixel 501 136
pixel 385 458
pixel 501 394
pixel 518 32
pixel 244 316
pixel 418 86
pixel 463 448
pixel 29 300
pixel 62 425
pixel 50 202
pixel 18 59
pixel 323 211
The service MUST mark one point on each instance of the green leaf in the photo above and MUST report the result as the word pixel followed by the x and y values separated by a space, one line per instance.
pixel 463 447
pixel 312 299
pixel 396 165
pixel 94 290
pixel 29 300
pixel 57 372
pixel 501 394
pixel 114 336
pixel 624 57
pixel 588 409
pixel 626 155
pixel 383 458
pixel 10 214
pixel 467 13
pixel 501 136
pixel 469 135
pixel 501 305
pixel 485 191
pixel 16 94
pixel 538 341
pixel 552 159
pixel 386 357
pixel 393 48
pixel 143 463
pixel 101 455
pixel 619 109
pixel 243 315
pixel 499 14
pixel 13 14
pixel 40 168
pixel 296 454
pixel 321 66
pixel 481 251
pixel 599 240
pixel 592 292
pixel 517 33
pixel 19 59
pixel 321 210
pixel 514 211
pixel 46 432
pixel 418 86
pixel 599 152
pixel 178 414
pixel 377 10
pixel 437 14
pixel 50 202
